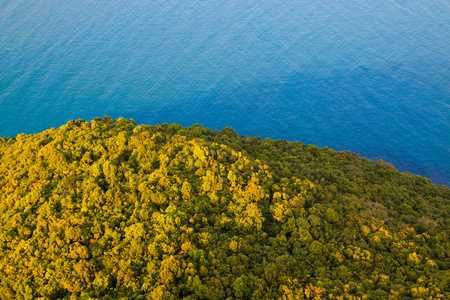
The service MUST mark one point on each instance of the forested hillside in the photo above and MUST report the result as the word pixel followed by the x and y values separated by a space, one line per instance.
pixel 110 210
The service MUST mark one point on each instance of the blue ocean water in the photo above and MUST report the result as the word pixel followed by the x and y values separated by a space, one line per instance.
pixel 372 77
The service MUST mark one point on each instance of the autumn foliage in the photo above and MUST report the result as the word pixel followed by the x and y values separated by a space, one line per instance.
pixel 110 210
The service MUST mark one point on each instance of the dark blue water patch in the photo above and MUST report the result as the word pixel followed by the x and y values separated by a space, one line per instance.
pixel 398 114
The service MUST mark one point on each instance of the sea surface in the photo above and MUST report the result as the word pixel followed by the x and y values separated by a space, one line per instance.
pixel 371 77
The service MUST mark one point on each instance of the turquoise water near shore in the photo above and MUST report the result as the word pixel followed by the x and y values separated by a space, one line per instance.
pixel 364 76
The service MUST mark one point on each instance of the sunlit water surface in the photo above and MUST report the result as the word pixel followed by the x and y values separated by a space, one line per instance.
pixel 372 77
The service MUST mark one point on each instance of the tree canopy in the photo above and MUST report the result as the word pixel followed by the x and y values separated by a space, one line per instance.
pixel 110 210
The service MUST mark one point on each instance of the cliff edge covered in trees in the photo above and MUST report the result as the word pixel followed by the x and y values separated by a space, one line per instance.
pixel 107 210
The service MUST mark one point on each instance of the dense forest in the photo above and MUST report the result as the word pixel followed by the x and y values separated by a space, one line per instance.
pixel 110 210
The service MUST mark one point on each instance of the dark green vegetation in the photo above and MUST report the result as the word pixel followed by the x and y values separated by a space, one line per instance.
pixel 111 210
